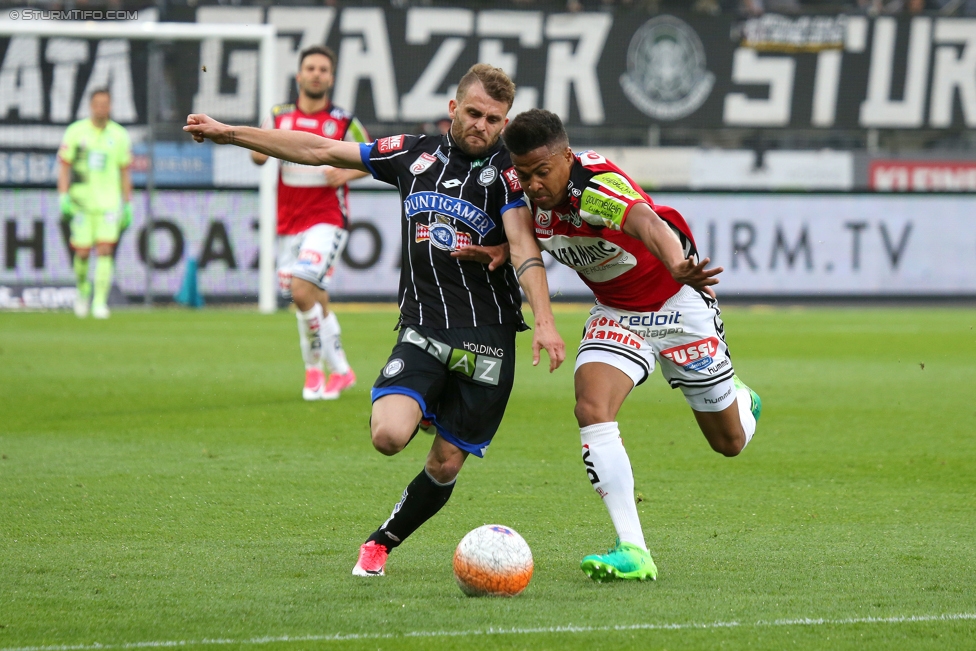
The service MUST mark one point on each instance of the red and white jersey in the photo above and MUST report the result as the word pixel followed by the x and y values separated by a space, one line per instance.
pixel 586 234
pixel 304 199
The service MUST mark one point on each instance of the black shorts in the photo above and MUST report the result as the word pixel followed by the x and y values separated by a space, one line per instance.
pixel 460 377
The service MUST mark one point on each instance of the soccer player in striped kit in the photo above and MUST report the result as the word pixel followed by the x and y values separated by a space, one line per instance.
pixel 313 216
pixel 454 361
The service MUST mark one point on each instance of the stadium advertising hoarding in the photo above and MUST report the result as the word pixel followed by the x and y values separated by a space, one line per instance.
pixel 922 176
pixel 770 245
pixel 592 68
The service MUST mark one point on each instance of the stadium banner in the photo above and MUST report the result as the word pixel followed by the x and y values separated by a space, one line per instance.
pixel 922 176
pixel 789 245
pixel 623 67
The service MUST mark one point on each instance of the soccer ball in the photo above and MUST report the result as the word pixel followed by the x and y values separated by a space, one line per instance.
pixel 492 561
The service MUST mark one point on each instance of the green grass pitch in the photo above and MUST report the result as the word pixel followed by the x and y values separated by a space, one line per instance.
pixel 163 483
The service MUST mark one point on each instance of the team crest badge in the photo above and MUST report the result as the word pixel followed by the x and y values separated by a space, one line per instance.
pixel 393 367
pixel 329 128
pixel 422 164
pixel 666 76
pixel 488 176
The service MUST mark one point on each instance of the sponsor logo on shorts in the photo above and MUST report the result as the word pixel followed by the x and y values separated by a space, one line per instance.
pixel 309 257
pixel 442 236
pixel 393 367
pixel 650 319
pixel 720 399
pixel 386 145
pixel 482 349
pixel 609 330
pixel 485 369
pixel 423 162
pixel 712 370
pixel 693 356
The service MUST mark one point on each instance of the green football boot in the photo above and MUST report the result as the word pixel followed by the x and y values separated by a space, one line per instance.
pixel 625 561
pixel 756 407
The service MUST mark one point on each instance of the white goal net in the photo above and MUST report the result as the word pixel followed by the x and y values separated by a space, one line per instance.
pixel 193 203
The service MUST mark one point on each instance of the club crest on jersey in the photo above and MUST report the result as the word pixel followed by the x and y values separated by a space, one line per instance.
pixel 329 128
pixel 693 356
pixel 488 176
pixel 443 236
pixel 386 145
pixel 423 163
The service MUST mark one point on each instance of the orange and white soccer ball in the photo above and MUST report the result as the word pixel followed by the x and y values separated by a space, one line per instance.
pixel 492 561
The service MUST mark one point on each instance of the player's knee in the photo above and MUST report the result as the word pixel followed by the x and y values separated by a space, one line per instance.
pixel 729 444
pixel 387 440
pixel 303 293
pixel 444 471
pixel 590 413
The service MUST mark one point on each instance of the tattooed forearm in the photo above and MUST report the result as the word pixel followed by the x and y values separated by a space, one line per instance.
pixel 528 264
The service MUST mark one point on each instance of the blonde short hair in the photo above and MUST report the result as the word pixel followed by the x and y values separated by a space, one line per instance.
pixel 496 83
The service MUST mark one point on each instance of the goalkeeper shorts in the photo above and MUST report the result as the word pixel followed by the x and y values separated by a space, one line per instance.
pixel 91 228
pixel 461 378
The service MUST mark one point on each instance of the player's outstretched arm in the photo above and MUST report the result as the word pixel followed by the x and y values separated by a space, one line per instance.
pixel 531 272
pixel 294 146
pixel 645 224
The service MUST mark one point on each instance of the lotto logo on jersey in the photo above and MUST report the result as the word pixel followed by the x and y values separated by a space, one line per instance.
pixel 511 177
pixel 386 145
pixel 694 356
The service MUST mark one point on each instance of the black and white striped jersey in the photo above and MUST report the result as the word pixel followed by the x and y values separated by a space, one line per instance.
pixel 450 200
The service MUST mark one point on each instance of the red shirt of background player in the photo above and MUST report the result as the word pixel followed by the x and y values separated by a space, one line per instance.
pixel 304 198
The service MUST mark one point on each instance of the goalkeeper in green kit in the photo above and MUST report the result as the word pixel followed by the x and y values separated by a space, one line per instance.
pixel 95 190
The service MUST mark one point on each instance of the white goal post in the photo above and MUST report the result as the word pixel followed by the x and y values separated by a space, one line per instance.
pixel 264 35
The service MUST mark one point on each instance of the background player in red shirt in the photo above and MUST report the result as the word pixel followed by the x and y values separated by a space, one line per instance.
pixel 654 304
pixel 313 222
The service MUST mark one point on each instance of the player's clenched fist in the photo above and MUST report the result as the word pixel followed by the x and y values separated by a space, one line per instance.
pixel 203 127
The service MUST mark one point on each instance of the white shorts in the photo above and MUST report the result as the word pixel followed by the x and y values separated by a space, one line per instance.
pixel 310 255
pixel 686 336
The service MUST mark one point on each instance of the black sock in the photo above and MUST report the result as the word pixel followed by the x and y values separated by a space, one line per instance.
pixel 422 498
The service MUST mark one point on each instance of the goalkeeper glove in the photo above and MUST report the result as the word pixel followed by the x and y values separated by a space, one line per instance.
pixel 126 216
pixel 68 208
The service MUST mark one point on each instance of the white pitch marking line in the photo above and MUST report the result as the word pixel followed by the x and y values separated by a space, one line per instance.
pixel 339 637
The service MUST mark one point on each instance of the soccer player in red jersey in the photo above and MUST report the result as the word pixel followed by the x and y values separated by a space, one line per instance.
pixel 313 216
pixel 654 304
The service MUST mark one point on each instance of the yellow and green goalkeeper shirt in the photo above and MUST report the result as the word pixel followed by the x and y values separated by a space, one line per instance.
pixel 96 157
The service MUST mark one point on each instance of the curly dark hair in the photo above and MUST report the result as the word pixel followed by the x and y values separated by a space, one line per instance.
pixel 533 129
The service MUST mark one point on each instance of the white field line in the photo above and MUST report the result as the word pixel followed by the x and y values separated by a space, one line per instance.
pixel 339 637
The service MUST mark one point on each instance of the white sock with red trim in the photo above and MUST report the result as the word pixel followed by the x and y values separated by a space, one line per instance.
pixel 310 336
pixel 332 350
pixel 608 468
